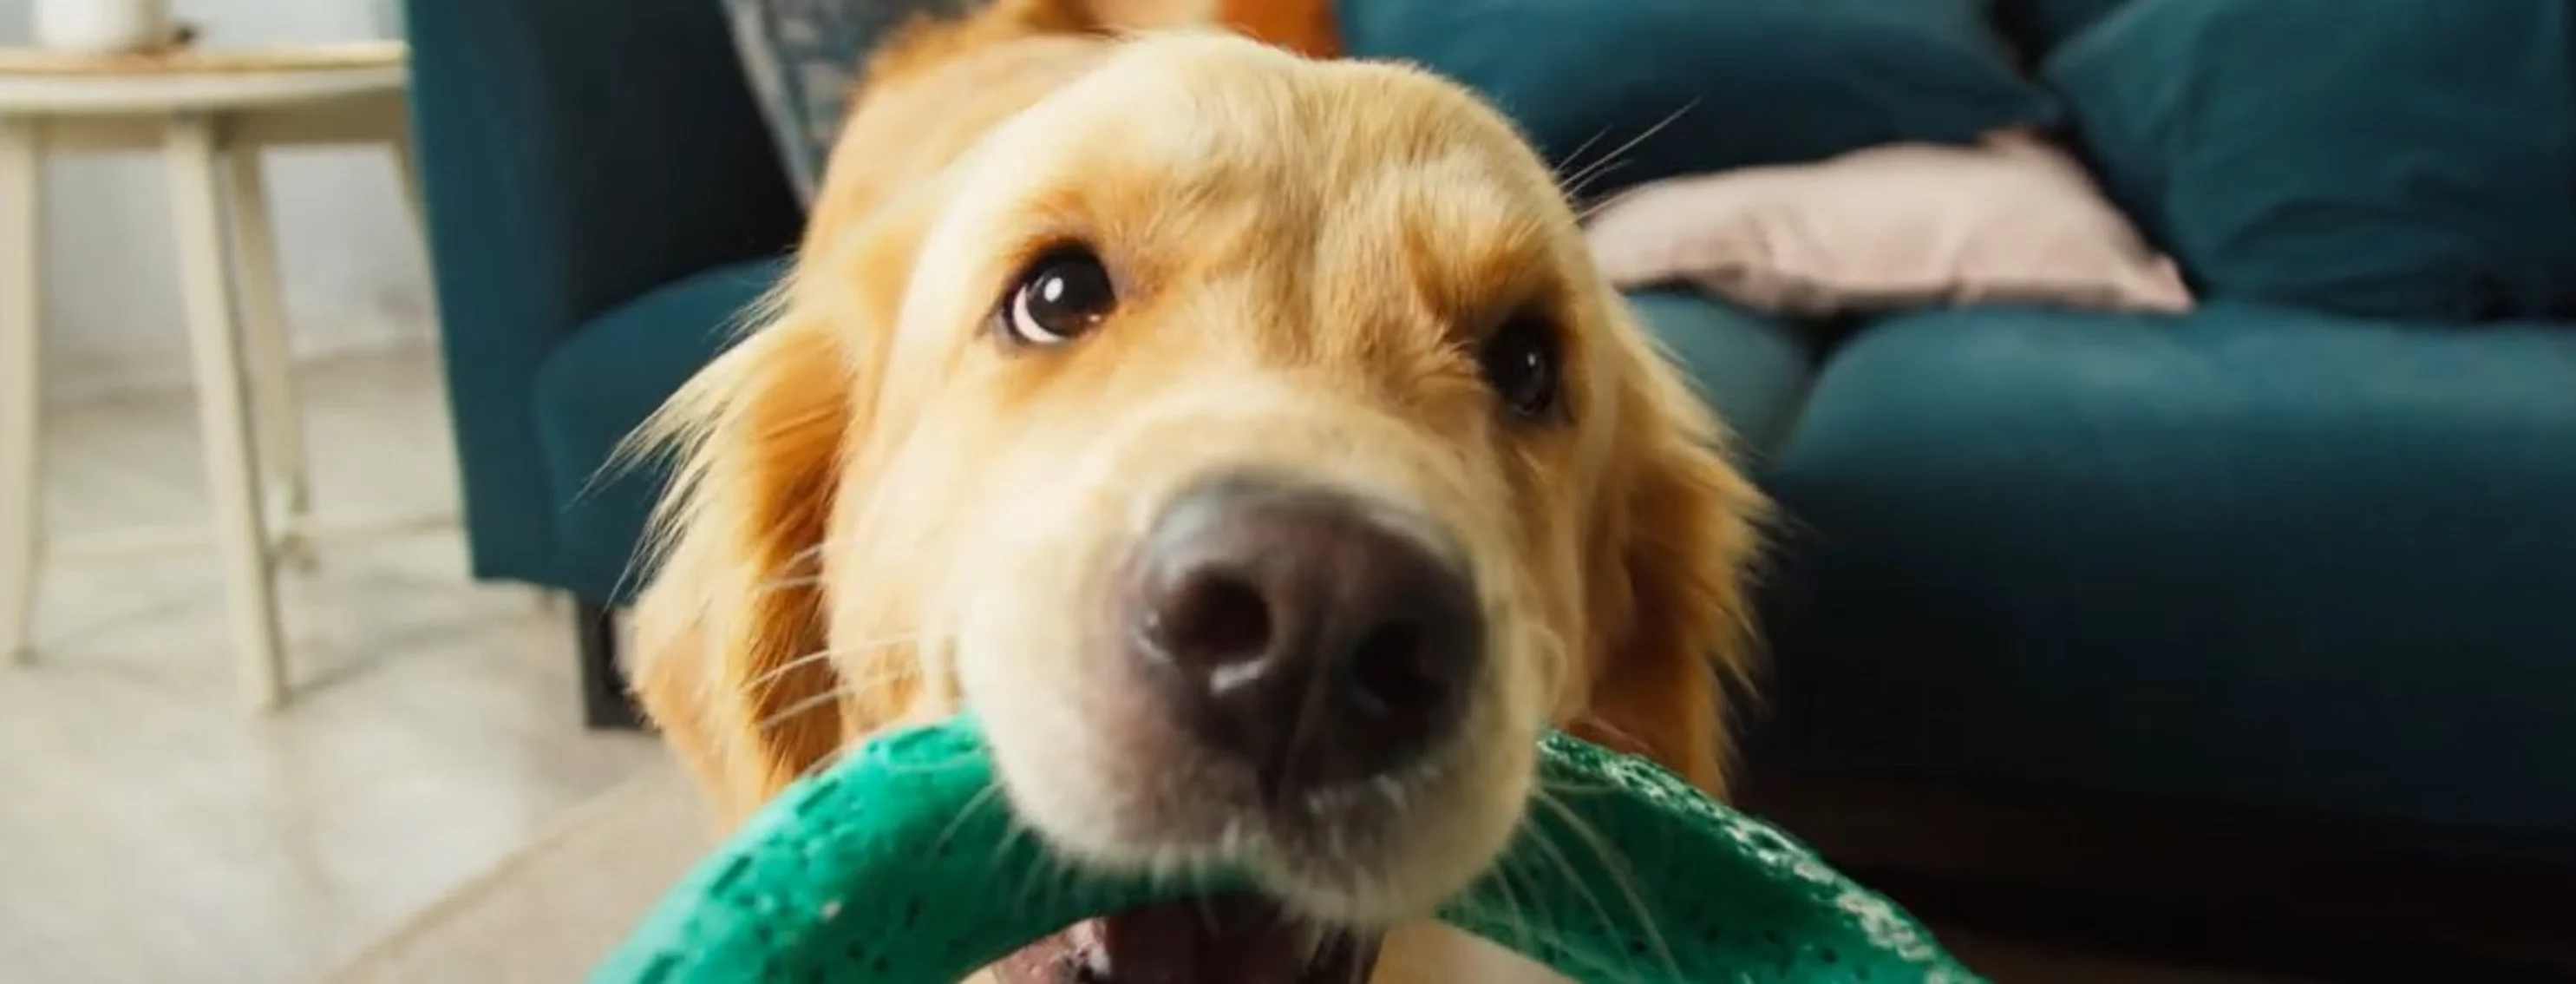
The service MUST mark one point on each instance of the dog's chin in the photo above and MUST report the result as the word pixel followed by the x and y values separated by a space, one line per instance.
pixel 1360 853
pixel 1329 871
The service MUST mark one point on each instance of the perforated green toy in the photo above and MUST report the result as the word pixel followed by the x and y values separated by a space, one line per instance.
pixel 896 867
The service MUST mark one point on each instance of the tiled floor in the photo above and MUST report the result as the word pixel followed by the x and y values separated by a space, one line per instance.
pixel 152 831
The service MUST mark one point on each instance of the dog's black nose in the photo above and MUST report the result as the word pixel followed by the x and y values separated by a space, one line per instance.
pixel 1303 631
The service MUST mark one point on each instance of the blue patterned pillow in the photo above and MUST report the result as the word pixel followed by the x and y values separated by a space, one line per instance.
pixel 803 56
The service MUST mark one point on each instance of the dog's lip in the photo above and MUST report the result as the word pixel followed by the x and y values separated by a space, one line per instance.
pixel 1229 939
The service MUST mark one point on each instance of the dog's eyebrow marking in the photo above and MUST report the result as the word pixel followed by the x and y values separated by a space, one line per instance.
pixel 1468 258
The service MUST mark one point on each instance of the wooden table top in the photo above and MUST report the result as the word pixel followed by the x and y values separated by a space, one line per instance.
pixel 213 60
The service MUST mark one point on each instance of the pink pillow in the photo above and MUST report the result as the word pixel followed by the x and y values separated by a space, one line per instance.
pixel 2013 220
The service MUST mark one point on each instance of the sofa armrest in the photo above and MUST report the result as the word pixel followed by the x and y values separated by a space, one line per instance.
pixel 573 154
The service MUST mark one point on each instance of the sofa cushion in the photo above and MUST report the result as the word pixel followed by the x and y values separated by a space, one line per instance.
pixel 2418 162
pixel 1666 87
pixel 1751 369
pixel 2251 557
pixel 600 384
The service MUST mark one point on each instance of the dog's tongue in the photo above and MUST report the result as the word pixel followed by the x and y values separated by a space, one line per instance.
pixel 1223 940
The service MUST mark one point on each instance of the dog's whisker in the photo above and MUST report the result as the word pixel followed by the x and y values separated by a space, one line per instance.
pixel 830 698
pixel 795 571
pixel 1510 894
pixel 1056 881
pixel 808 552
pixel 765 685
pixel 1575 191
pixel 830 652
pixel 825 699
pixel 789 583
pixel 847 684
pixel 1013 830
pixel 762 680
pixel 1575 156
pixel 801 556
pixel 1613 865
pixel 1587 212
pixel 1581 178
pixel 1051 876
pixel 1548 852
pixel 1576 186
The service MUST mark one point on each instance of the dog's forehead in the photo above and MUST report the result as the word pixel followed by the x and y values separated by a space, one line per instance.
pixel 1212 109
pixel 1204 152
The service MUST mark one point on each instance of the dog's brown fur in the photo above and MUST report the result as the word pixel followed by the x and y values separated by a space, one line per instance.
pixel 814 540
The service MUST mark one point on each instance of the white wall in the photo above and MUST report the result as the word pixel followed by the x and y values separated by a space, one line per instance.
pixel 353 269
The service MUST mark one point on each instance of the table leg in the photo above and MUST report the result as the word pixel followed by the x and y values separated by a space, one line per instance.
pixel 21 398
pixel 222 414
pixel 277 413
pixel 407 171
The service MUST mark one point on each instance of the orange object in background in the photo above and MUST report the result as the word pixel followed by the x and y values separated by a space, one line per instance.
pixel 1303 26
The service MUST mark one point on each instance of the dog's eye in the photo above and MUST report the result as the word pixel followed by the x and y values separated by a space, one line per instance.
pixel 1520 361
pixel 1063 294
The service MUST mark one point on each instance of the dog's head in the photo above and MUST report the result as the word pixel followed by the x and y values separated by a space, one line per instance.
pixel 1250 443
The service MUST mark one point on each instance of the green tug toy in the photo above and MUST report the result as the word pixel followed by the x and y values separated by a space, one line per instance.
pixel 884 870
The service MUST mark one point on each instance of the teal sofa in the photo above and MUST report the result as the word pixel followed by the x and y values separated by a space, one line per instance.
pixel 602 197
pixel 2307 553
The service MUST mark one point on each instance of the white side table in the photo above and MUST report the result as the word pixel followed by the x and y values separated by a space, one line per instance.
pixel 210 113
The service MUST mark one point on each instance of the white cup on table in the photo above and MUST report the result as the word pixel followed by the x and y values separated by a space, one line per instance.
pixel 102 26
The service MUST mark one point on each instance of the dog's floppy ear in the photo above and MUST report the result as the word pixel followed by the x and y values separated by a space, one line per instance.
pixel 777 434
pixel 1679 529
pixel 722 632
pixel 730 636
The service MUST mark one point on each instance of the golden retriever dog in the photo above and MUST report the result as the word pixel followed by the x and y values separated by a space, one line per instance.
pixel 1247 440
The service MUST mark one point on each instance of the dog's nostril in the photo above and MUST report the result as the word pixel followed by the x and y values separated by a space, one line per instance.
pixel 1388 675
pixel 1212 619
